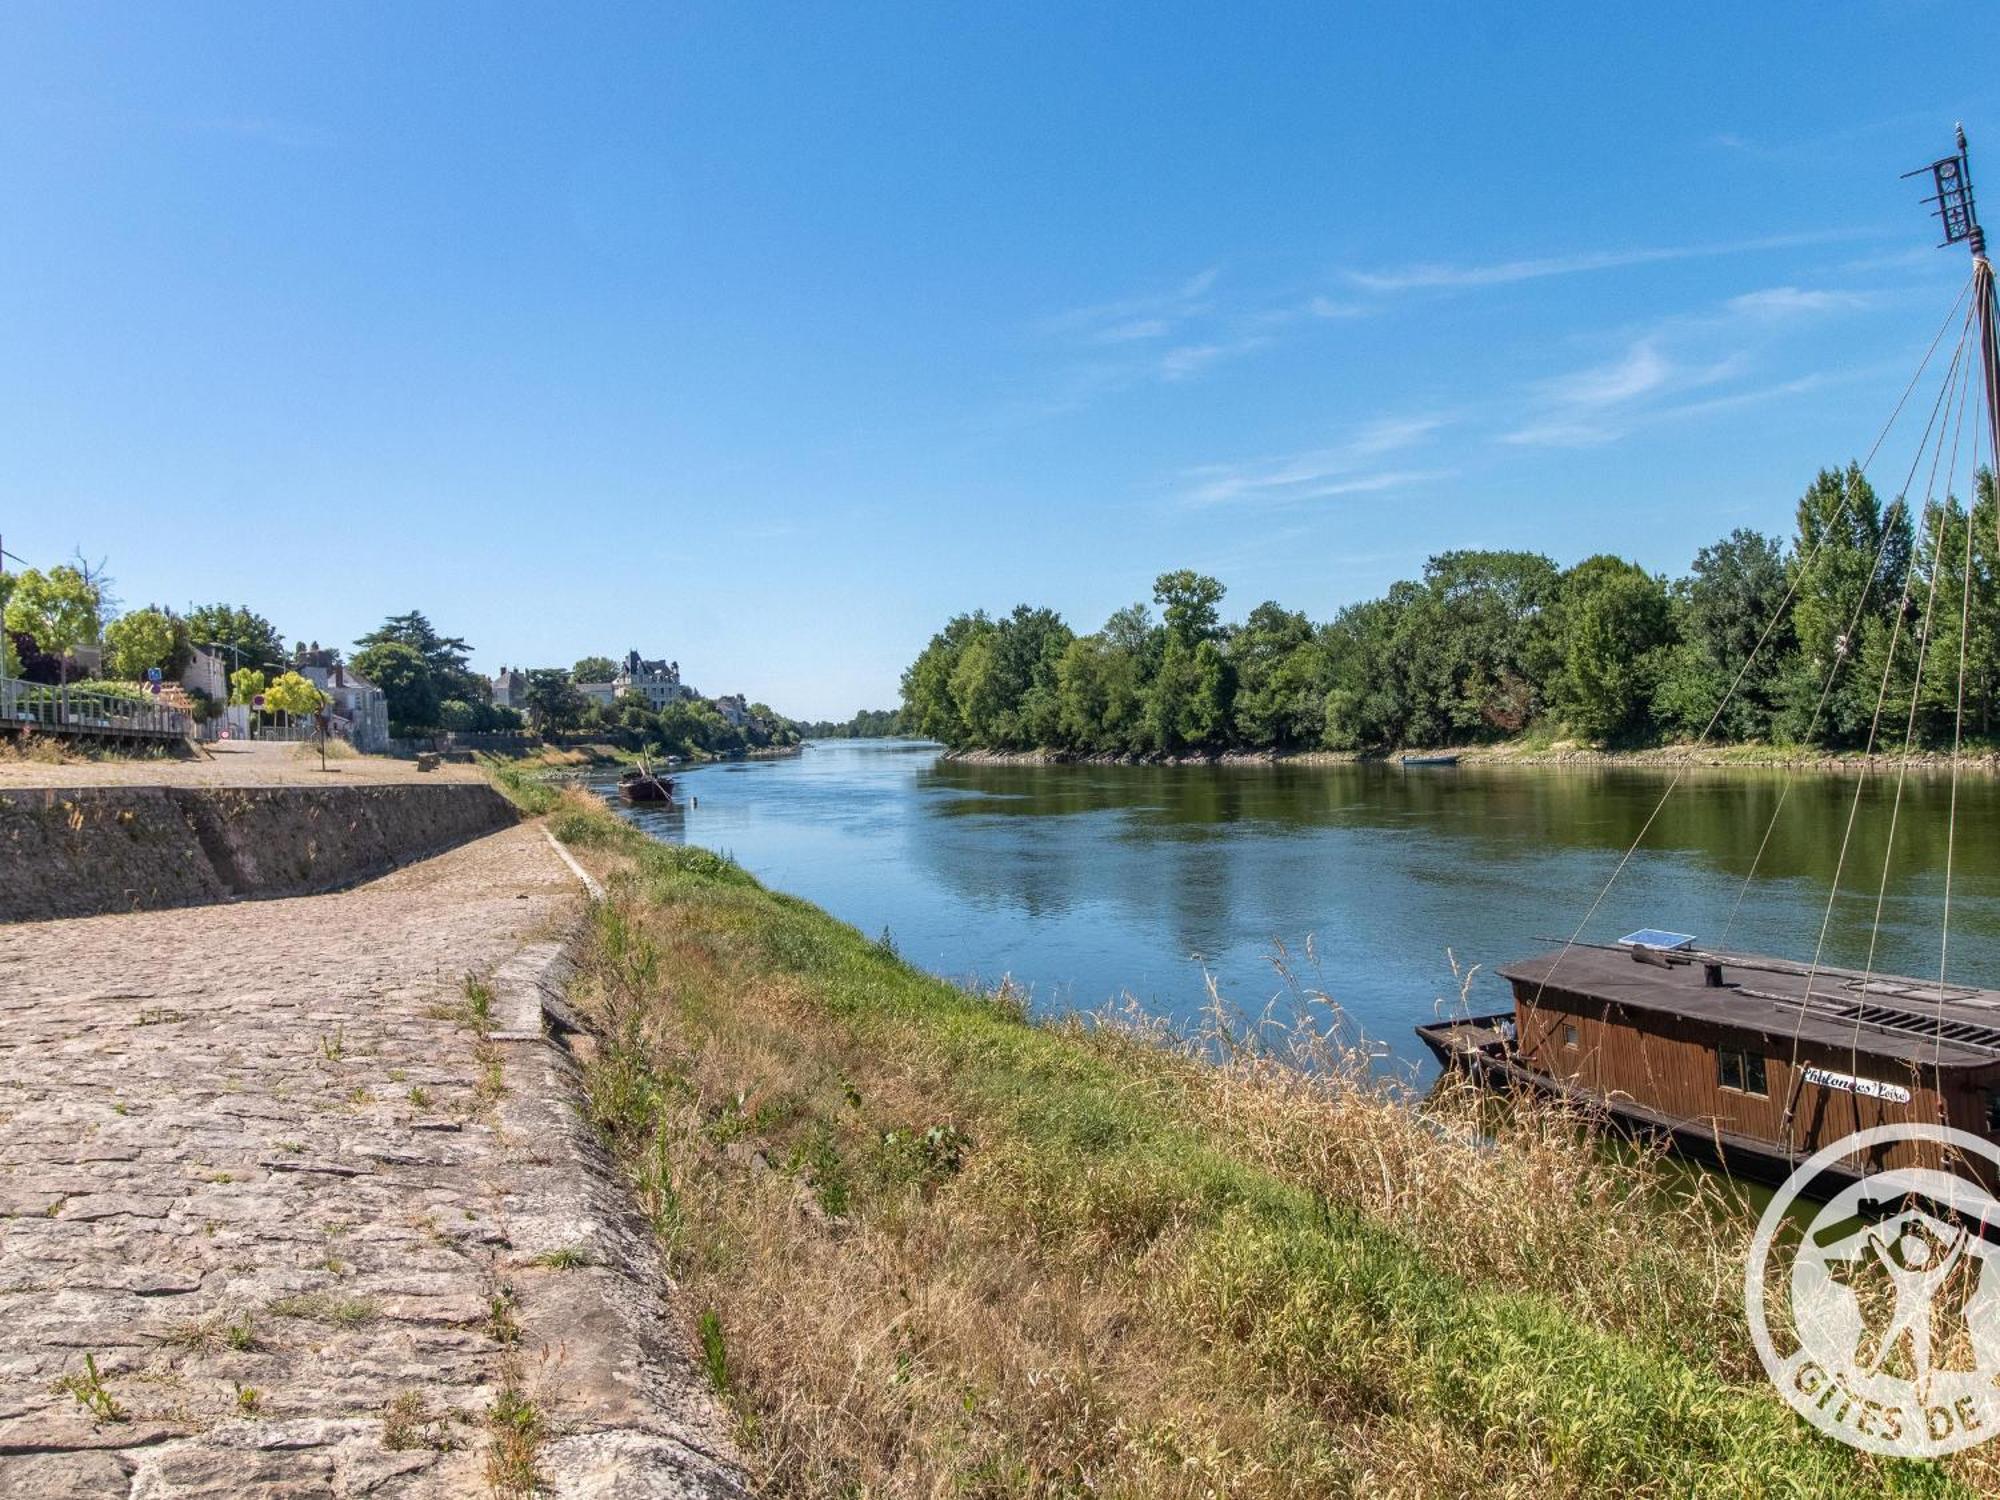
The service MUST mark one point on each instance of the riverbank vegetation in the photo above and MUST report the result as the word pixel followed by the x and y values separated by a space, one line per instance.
pixel 1805 639
pixel 925 1245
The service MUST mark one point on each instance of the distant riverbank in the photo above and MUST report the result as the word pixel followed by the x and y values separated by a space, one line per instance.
pixel 1570 756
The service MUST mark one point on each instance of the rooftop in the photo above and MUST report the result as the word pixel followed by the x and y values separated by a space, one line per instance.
pixel 1880 1015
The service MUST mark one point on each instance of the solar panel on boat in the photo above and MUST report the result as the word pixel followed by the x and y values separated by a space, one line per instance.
pixel 1655 937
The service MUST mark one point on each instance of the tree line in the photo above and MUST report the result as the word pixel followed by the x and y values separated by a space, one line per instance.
pixel 868 724
pixel 1851 624
pixel 51 616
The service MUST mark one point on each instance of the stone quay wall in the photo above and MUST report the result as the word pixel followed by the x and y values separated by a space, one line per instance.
pixel 86 851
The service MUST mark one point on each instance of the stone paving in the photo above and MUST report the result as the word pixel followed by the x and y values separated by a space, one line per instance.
pixel 313 1218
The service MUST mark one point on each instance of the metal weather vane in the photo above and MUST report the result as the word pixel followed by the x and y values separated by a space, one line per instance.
pixel 1955 209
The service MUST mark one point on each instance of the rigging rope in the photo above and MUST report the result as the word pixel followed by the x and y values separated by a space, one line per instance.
pixel 1957 738
pixel 1763 639
pixel 1875 719
pixel 1934 519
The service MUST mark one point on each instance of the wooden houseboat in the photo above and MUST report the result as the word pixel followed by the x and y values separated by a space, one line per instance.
pixel 1748 1063
pixel 1756 1063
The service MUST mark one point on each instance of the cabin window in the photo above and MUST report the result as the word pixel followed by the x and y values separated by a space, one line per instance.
pixel 1569 1036
pixel 1993 1111
pixel 1740 1070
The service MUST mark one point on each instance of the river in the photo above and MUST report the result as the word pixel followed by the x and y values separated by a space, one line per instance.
pixel 1085 884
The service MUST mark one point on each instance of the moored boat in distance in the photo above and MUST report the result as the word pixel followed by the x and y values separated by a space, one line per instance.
pixel 1429 760
pixel 640 784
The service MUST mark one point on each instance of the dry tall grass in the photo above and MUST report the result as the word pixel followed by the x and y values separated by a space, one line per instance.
pixel 930 1249
pixel 1513 1196
pixel 31 748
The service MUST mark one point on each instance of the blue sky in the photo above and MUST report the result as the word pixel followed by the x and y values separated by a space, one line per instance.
pixel 766 337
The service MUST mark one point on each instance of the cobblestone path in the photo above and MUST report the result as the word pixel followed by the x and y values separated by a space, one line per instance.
pixel 318 1225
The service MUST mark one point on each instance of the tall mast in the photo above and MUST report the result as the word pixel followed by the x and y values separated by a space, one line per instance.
pixel 1952 177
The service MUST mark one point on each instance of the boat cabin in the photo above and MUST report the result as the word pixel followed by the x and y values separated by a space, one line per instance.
pixel 1764 1060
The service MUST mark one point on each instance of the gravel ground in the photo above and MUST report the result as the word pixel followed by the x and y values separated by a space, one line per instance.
pixel 231 763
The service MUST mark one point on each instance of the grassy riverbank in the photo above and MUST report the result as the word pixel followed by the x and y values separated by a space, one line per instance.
pixel 929 1247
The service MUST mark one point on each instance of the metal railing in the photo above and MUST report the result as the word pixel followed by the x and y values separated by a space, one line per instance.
pixel 81 708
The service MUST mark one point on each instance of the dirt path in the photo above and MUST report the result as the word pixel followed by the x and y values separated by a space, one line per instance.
pixel 319 1235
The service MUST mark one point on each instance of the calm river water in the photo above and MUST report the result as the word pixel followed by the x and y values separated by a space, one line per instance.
pixel 1087 883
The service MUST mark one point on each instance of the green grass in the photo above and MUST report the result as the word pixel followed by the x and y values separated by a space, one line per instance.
pixel 1038 1262
pixel 521 783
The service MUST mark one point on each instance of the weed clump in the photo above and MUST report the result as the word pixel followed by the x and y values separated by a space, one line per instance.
pixel 91 1392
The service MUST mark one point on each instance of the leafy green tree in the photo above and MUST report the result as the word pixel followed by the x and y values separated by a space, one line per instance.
pixel 633 709
pixel 1733 630
pixel 1281 679
pixel 10 661
pixel 978 694
pixel 1480 644
pixel 1968 596
pixel 1946 662
pixel 1617 621
pixel 291 693
pixel 406 681
pixel 245 683
pixel 1847 568
pixel 594 669
pixel 1100 694
pixel 930 706
pixel 60 608
pixel 135 643
pixel 445 657
pixel 1368 702
pixel 242 638
pixel 458 716
pixel 1189 698
pixel 1189 602
pixel 552 699
pixel 1027 647
pixel 1188 705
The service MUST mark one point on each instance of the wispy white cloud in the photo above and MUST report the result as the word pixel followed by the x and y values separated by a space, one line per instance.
pixel 1138 328
pixel 1190 359
pixel 1817 145
pixel 1562 433
pixel 1432 275
pixel 1756 396
pixel 1348 467
pixel 1790 302
pixel 1147 315
pixel 1665 369
pixel 1600 403
pixel 1326 307
pixel 1641 369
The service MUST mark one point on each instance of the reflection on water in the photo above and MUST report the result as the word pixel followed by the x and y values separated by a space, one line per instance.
pixel 1085 882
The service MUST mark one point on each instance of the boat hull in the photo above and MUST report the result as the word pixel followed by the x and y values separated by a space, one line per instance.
pixel 1479 1048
